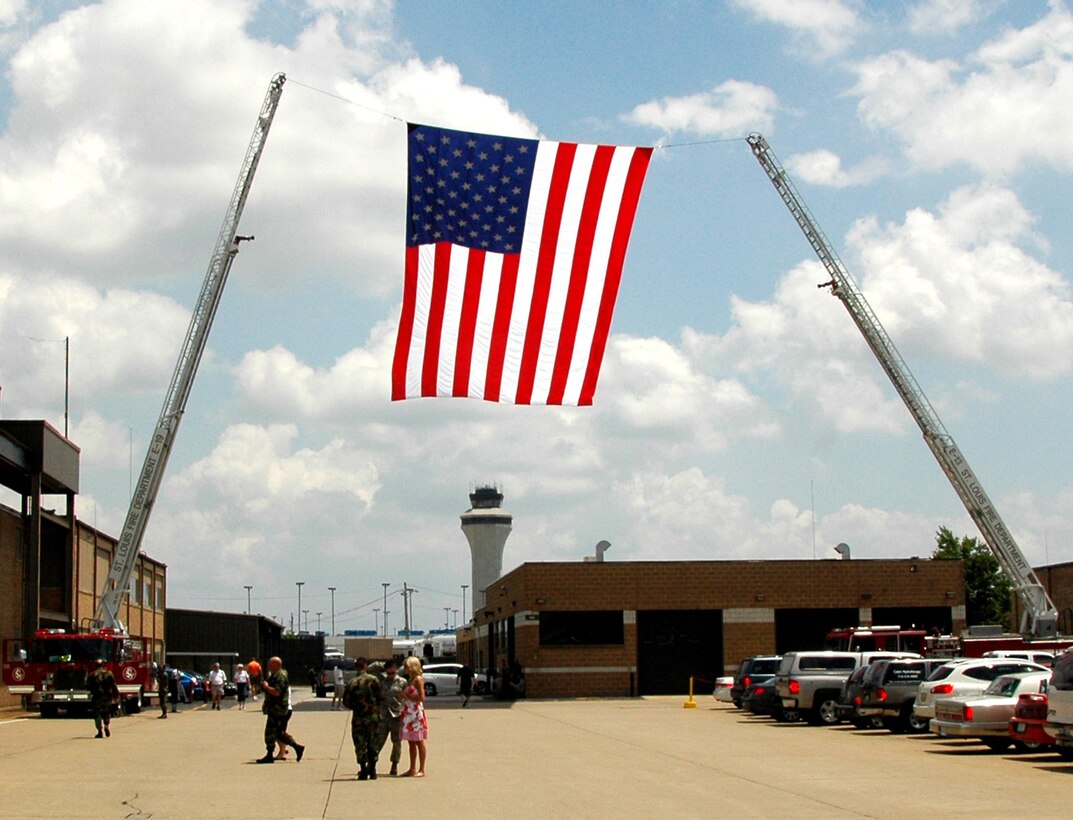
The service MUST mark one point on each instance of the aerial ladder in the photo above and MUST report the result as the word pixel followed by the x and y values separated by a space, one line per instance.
pixel 156 457
pixel 1040 614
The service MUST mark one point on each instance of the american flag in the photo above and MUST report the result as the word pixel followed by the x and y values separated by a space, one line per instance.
pixel 514 252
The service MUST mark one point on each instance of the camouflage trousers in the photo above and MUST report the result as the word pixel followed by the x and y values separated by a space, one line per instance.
pixel 389 727
pixel 276 730
pixel 366 737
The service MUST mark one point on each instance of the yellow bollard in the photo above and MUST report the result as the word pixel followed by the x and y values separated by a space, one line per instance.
pixel 690 704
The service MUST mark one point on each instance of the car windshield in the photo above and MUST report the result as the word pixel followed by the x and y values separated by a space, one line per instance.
pixel 70 649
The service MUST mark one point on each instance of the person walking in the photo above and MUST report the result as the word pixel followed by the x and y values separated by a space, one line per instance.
pixel 162 688
pixel 103 693
pixel 254 668
pixel 465 683
pixel 364 696
pixel 338 685
pixel 241 679
pixel 216 680
pixel 277 693
pixel 391 712
pixel 413 727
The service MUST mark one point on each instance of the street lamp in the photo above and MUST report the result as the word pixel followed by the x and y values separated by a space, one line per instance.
pixel 299 584
pixel 385 585
pixel 306 613
pixel 332 591
pixel 464 588
pixel 248 588
pixel 318 620
pixel 447 617
pixel 455 611
pixel 376 619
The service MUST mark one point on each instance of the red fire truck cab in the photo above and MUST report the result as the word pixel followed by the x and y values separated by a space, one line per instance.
pixel 53 669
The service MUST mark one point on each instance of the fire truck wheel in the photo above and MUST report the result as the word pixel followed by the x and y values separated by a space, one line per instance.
pixel 49 710
pixel 132 706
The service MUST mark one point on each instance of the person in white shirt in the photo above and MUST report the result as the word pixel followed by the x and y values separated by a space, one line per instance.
pixel 242 684
pixel 216 680
pixel 338 687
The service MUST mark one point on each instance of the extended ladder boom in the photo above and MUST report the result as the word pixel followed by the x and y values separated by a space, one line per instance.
pixel 156 458
pixel 1040 616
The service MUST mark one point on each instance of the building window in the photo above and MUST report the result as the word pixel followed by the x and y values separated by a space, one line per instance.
pixel 159 603
pixel 581 628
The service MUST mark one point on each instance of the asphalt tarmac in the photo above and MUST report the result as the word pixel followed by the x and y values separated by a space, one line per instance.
pixel 641 757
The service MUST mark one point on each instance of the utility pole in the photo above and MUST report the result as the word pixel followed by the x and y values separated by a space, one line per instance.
pixel 318 620
pixel 385 585
pixel 464 588
pixel 248 588
pixel 299 585
pixel 455 611
pixel 447 617
pixel 332 591
pixel 406 609
pixel 376 620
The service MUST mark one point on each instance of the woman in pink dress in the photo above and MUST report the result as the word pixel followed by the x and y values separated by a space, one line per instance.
pixel 413 726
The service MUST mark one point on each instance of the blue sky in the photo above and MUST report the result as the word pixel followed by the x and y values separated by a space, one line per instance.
pixel 931 139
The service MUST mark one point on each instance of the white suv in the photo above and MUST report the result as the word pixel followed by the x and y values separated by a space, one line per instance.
pixel 1060 704
pixel 965 676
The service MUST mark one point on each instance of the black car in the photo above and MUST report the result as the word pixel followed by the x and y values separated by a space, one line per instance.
pixel 752 669
pixel 760 698
pixel 850 699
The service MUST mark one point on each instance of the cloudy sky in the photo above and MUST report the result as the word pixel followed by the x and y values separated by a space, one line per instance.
pixel 739 414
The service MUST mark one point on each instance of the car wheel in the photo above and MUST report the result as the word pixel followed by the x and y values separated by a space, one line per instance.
pixel 49 710
pixel 1027 746
pixel 826 712
pixel 1066 752
pixel 914 723
pixel 736 702
pixel 997 744
pixel 430 690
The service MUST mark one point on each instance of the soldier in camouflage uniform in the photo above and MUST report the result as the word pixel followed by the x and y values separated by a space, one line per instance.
pixel 364 696
pixel 102 693
pixel 276 688
pixel 391 713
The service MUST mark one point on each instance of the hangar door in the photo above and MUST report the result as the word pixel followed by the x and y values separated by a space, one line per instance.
pixel 808 628
pixel 674 644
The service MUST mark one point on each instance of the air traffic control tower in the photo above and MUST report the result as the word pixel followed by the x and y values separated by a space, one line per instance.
pixel 486 526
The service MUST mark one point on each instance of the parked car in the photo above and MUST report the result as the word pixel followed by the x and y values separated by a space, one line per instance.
pixel 326 678
pixel 444 677
pixel 1035 655
pixel 752 668
pixel 1060 704
pixel 889 690
pixel 986 716
pixel 761 698
pixel 722 689
pixel 849 702
pixel 965 676
pixel 1026 727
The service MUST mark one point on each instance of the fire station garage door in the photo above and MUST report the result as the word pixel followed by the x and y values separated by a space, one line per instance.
pixel 674 644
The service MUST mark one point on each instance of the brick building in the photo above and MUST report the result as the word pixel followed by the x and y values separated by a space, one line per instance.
pixel 1058 581
pixel 635 628
pixel 53 566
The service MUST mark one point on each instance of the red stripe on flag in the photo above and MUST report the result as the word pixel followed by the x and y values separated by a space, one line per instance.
pixel 549 240
pixel 631 194
pixel 468 322
pixel 406 326
pixel 508 282
pixel 579 274
pixel 437 300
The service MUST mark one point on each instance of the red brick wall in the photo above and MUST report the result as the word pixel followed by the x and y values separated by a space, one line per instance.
pixel 748 586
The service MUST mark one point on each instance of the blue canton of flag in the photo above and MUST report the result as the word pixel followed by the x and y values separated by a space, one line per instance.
pixel 468 189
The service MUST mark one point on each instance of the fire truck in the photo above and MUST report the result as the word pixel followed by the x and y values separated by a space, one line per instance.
pixel 51 668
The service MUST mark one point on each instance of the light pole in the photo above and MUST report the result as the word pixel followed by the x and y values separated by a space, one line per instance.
pixel 385 585
pixel 464 588
pixel 455 611
pixel 299 585
pixel 376 620
pixel 318 620
pixel 306 613
pixel 447 617
pixel 332 591
pixel 248 588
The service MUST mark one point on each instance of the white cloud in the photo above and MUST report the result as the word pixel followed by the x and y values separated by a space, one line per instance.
pixel 826 25
pixel 824 167
pixel 1004 108
pixel 931 17
pixel 731 109
pixel 956 283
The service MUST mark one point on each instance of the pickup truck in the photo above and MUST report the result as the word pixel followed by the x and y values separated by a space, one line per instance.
pixel 889 689
pixel 811 682
pixel 1060 704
